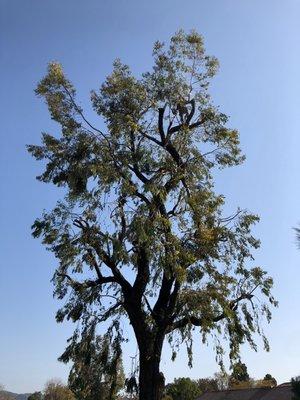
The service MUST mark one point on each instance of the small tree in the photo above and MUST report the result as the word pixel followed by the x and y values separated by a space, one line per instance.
pixel 240 379
pixel 269 380
pixel 183 389
pixel 240 372
pixel 141 233
pixel 222 380
pixel 56 390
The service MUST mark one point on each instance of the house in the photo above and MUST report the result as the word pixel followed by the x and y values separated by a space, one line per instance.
pixel 281 392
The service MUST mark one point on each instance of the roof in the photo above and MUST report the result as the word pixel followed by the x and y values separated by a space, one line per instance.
pixel 277 393
pixel 237 394
pixel 283 392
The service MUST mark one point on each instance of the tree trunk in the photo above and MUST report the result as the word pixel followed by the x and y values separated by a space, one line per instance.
pixel 150 342
pixel 151 380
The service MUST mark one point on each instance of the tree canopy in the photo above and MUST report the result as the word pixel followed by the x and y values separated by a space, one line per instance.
pixel 140 232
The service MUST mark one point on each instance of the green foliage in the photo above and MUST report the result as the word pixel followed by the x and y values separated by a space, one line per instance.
pixel 183 389
pixel 296 387
pixel 240 379
pixel 97 371
pixel 56 390
pixel 240 372
pixel 186 388
pixel 140 232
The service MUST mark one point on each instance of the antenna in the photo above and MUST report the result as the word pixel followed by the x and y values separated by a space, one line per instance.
pixel 133 365
pixel 131 384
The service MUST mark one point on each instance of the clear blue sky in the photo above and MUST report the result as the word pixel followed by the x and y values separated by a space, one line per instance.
pixel 258 45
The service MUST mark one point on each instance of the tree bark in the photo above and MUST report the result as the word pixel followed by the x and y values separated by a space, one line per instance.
pixel 151 380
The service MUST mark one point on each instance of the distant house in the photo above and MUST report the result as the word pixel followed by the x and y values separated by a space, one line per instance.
pixel 281 392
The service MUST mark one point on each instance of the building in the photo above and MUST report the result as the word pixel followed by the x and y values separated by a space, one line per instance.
pixel 281 392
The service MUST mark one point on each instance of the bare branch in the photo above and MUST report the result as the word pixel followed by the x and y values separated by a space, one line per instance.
pixel 78 109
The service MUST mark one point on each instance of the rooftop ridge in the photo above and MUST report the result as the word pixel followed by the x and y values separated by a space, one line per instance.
pixel 236 390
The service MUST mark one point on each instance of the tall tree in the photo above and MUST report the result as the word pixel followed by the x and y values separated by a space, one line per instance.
pixel 140 232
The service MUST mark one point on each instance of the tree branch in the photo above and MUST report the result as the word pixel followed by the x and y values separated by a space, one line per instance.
pixel 143 274
pixel 104 257
pixel 88 282
pixel 78 109
pixel 199 321
pixel 108 313
pixel 161 112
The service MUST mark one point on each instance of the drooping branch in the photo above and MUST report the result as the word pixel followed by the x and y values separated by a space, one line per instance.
pixel 196 321
pixel 79 111
pixel 108 313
